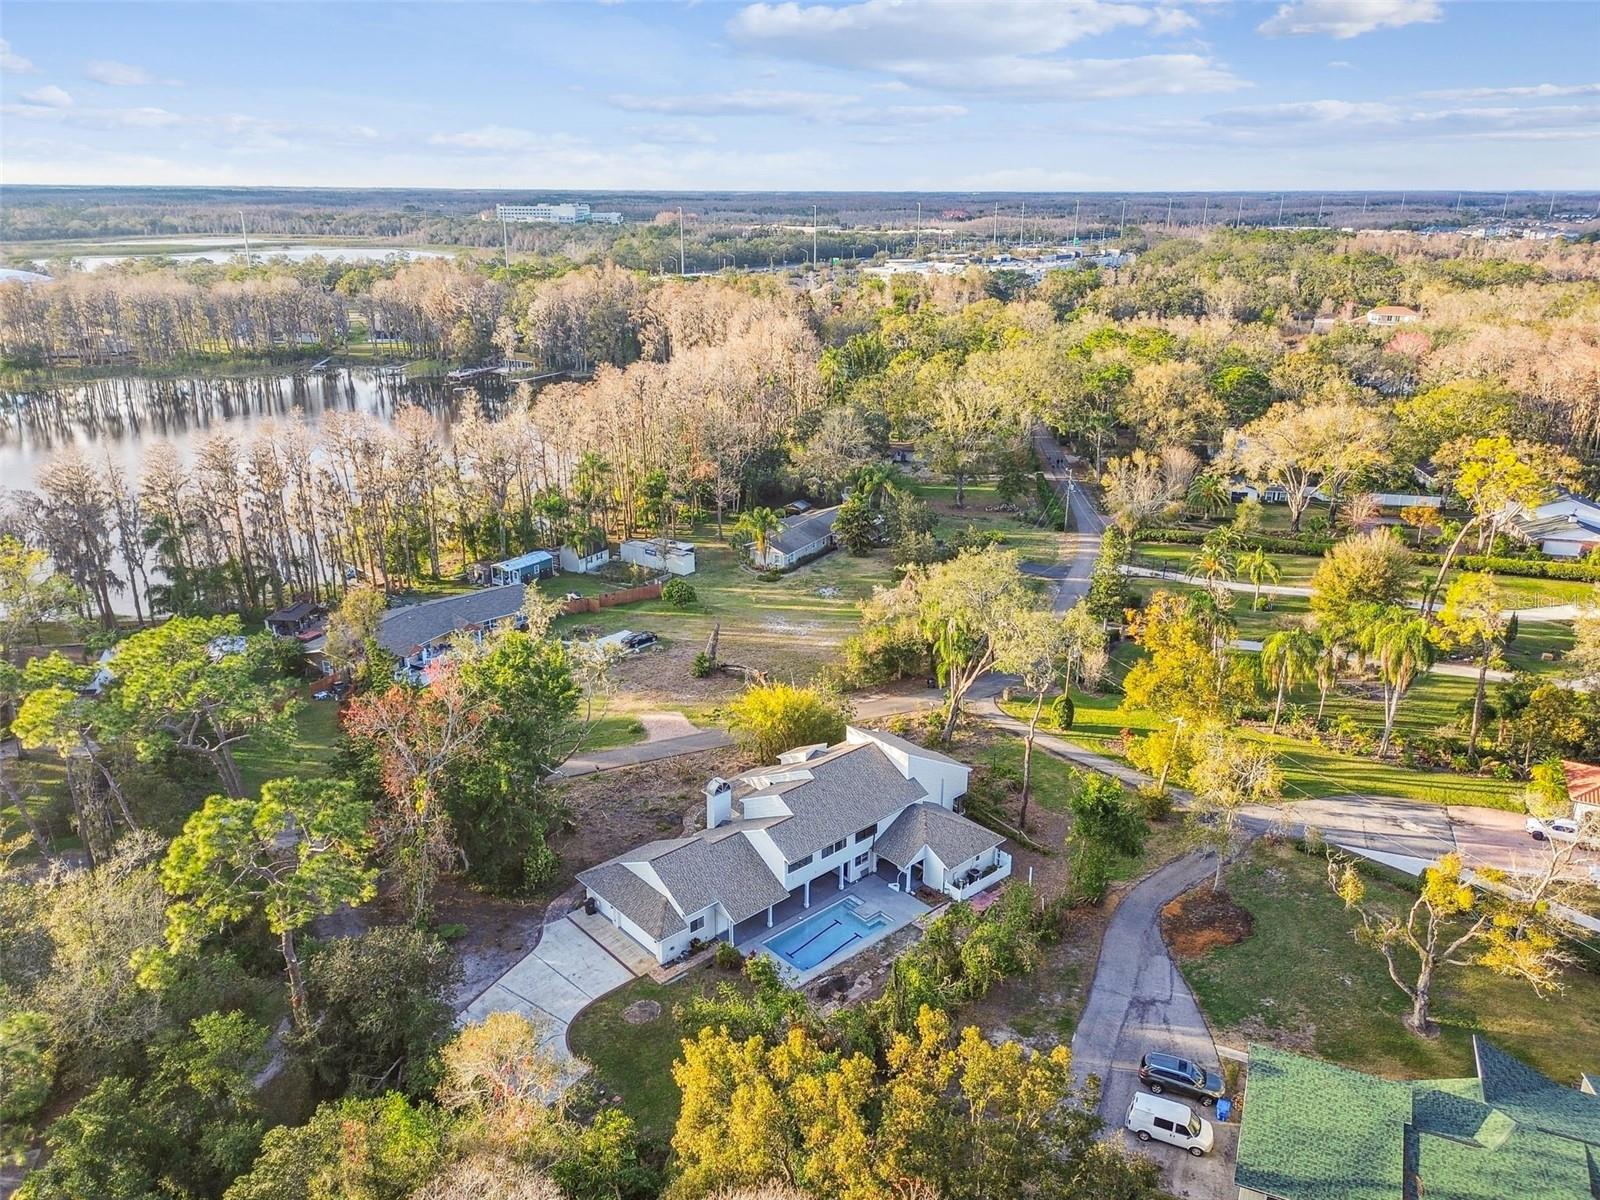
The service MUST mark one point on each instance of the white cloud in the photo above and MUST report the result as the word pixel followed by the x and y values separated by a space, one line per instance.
pixel 96 118
pixel 119 74
pixel 1348 18
pixel 813 106
pixel 1340 64
pixel 868 33
pixel 1537 91
pixel 10 60
pixel 50 96
pixel 994 47
pixel 1328 119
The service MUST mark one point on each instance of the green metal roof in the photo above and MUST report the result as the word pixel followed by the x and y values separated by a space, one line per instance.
pixel 1314 1131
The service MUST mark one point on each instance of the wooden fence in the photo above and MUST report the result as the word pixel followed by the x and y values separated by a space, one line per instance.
pixel 592 604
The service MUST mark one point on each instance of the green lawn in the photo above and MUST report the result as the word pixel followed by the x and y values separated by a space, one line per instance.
pixel 635 1061
pixel 1302 977
pixel 1036 542
pixel 1309 770
pixel 1535 638
pixel 308 750
pixel 613 729
pixel 790 626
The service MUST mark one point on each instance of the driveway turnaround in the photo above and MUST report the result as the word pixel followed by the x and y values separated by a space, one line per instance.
pixel 556 981
pixel 1139 1002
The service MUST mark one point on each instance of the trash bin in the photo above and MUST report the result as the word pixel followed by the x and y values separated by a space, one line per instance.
pixel 1224 1109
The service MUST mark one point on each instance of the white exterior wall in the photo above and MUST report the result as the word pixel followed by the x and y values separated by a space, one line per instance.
pixel 648 554
pixel 571 561
pixel 945 782
pixel 662 951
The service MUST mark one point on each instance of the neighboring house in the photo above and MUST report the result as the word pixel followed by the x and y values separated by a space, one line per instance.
pixel 647 553
pixel 823 817
pixel 1313 1131
pixel 525 568
pixel 420 633
pixel 579 562
pixel 295 619
pixel 1583 788
pixel 1392 314
pixel 1567 527
pixel 798 539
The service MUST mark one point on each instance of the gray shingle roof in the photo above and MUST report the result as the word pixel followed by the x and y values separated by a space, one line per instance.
pixel 850 787
pixel 949 835
pixel 634 898
pixel 799 532
pixel 400 629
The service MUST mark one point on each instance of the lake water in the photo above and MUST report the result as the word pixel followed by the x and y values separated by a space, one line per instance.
pixel 230 248
pixel 123 416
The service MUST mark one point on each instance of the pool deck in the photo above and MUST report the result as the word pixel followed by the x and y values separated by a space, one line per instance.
pixel 874 893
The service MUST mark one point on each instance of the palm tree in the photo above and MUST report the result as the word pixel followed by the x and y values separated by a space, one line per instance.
pixel 1402 642
pixel 874 484
pixel 756 526
pixel 1258 569
pixel 1208 493
pixel 1288 657
pixel 1329 655
pixel 1214 564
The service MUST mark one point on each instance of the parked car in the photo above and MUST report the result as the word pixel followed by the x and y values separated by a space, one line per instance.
pixel 638 641
pixel 1152 1118
pixel 1169 1073
pixel 1562 829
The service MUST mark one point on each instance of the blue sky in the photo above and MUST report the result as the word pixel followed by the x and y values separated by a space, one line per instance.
pixel 891 94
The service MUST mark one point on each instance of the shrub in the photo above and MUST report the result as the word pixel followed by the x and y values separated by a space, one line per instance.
pixel 702 665
pixel 727 957
pixel 1153 803
pixel 769 718
pixel 27 1071
pixel 1089 872
pixel 679 593
pixel 1062 712
pixel 769 576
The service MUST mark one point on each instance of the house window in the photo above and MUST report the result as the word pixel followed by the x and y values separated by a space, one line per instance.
pixel 697 924
pixel 861 859
pixel 798 863
pixel 865 835
pixel 835 848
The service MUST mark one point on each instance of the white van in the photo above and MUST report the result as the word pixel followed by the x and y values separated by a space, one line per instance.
pixel 1156 1117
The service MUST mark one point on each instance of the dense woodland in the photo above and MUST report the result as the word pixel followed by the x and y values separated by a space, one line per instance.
pixel 193 941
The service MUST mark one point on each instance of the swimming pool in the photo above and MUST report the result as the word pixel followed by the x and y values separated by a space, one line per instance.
pixel 832 931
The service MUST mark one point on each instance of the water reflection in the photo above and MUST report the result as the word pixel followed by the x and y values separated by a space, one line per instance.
pixel 120 417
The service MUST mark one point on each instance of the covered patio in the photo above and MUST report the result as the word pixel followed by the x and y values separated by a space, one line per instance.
pixel 875 895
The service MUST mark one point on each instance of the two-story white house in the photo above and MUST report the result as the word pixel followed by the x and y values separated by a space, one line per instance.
pixel 820 819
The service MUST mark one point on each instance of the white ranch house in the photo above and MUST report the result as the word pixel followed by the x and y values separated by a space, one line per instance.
pixel 875 811
pixel 798 538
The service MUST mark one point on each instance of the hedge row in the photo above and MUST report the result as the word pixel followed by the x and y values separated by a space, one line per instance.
pixel 1527 568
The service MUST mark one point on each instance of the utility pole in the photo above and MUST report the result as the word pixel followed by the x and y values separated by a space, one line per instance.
pixel 813 237
pixel 1022 222
pixel 1321 200
pixel 1122 222
pixel 1552 211
pixel 1238 217
pixel 246 233
pixel 1205 213
pixel 681 270
pixel 1402 204
pixel 1076 205
pixel 1363 204
pixel 1280 208
pixel 1169 212
pixel 994 227
pixel 505 245
pixel 1504 208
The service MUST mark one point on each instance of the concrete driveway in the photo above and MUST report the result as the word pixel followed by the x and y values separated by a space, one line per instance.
pixel 1140 1002
pixel 555 982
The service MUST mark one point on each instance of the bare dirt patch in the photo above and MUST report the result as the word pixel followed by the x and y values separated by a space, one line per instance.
pixel 661 677
pixel 1201 920
pixel 614 811
pixel 642 1012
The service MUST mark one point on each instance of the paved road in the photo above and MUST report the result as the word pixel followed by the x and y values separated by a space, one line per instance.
pixel 643 752
pixel 1081 546
pixel 1140 1002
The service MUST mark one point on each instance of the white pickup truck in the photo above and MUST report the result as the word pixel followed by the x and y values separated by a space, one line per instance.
pixel 1564 829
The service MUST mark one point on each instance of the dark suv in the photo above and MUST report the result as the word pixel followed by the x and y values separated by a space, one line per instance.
pixel 1169 1073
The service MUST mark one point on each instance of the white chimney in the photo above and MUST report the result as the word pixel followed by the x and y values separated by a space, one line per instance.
pixel 719 802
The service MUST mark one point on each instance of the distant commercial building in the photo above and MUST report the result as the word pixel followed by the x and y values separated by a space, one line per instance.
pixel 555 214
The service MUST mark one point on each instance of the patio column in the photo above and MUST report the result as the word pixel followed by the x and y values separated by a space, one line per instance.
pixel 769 916
pixel 807 903
pixel 841 877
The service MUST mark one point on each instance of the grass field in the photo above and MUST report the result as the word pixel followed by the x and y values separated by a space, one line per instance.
pixel 635 1061
pixel 1309 770
pixel 790 626
pixel 308 751
pixel 1303 981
